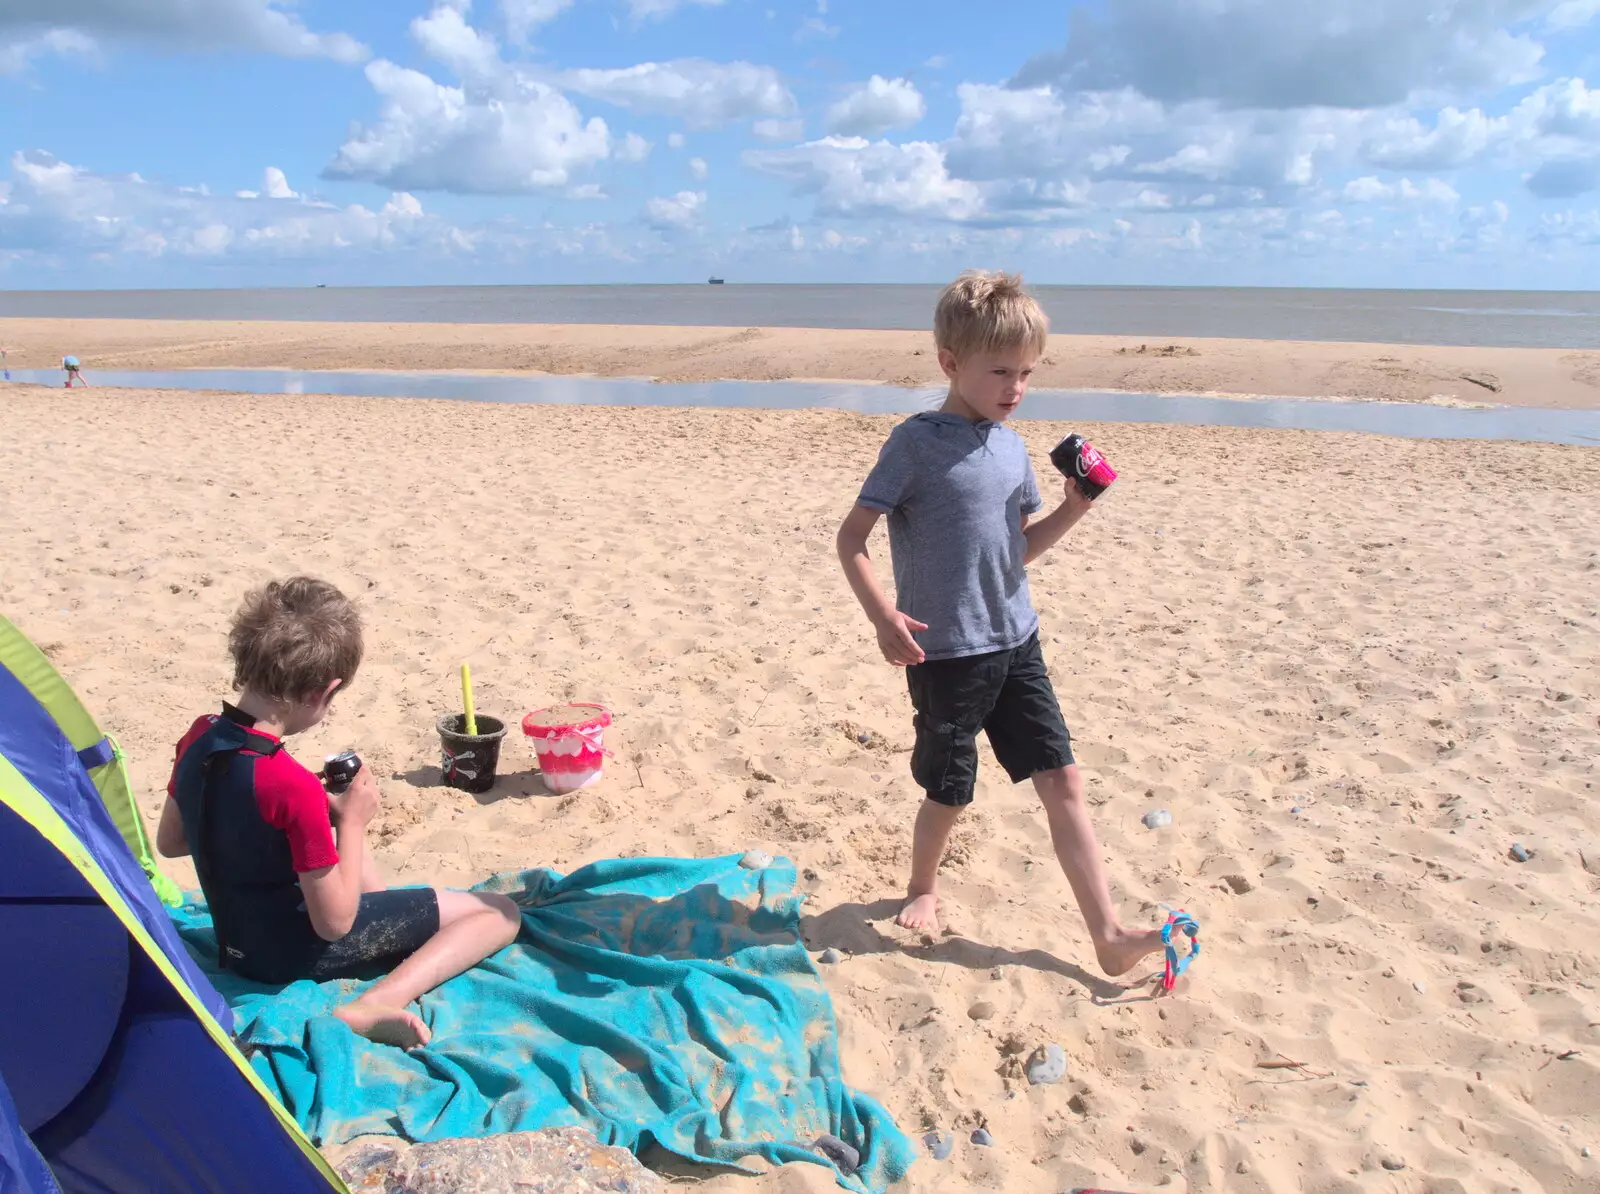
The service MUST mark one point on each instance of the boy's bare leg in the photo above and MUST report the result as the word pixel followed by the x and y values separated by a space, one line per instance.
pixel 472 925
pixel 934 823
pixel 1062 793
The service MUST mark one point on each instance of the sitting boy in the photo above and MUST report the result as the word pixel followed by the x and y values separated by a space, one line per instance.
pixel 960 495
pixel 283 864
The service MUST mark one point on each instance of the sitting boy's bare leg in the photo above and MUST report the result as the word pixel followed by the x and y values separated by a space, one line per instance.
pixel 1062 793
pixel 934 823
pixel 472 925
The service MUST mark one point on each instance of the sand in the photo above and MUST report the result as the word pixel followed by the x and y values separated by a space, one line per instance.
pixel 1356 671
pixel 1360 372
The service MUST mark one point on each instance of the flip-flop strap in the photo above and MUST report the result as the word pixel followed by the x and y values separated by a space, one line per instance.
pixel 1190 927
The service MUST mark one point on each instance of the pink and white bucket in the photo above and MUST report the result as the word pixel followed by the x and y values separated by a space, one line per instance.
pixel 569 741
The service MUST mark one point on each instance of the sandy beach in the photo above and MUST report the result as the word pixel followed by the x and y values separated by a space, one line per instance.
pixel 1362 372
pixel 1355 670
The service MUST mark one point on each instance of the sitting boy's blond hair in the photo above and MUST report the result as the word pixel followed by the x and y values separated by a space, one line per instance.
pixel 290 639
pixel 988 312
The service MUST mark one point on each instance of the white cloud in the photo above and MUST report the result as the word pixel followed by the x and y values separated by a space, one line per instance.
pixel 815 29
pixel 682 210
pixel 877 106
pixel 854 176
pixel 522 17
pixel 1565 108
pixel 16 55
pixel 702 94
pixel 1149 199
pixel 433 137
pixel 1041 133
pixel 832 238
pixel 1370 189
pixel 698 167
pixel 633 148
pixel 1456 138
pixel 646 10
pixel 502 131
pixel 260 25
pixel 675 140
pixel 1270 54
pixel 1573 14
pixel 1569 229
pixel 445 36
pixel 275 185
pixel 51 207
pixel 1485 225
pixel 1559 122
pixel 779 130
pixel 1367 190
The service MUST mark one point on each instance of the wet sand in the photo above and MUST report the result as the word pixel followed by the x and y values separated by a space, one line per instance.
pixel 1364 372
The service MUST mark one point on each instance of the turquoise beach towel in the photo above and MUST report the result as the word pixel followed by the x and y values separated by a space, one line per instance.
pixel 648 1000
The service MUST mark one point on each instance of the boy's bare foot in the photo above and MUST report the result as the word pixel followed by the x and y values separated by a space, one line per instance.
pixel 385 1025
pixel 921 912
pixel 1123 951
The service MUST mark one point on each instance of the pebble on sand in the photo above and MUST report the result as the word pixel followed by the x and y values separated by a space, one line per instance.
pixel 1392 1163
pixel 982 1010
pixel 756 860
pixel 1048 1064
pixel 1157 818
pixel 939 1144
pixel 981 1136
pixel 845 1156
pixel 1519 852
pixel 831 957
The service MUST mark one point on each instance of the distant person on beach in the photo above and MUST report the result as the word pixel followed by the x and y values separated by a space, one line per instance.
pixel 284 864
pixel 70 364
pixel 960 495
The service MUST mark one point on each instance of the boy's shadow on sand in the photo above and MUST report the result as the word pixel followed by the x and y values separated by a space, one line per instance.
pixel 853 929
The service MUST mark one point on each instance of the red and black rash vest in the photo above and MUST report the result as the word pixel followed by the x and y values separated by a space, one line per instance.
pixel 254 819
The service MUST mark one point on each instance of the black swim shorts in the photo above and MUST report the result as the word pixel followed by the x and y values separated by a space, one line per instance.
pixel 1007 695
pixel 390 926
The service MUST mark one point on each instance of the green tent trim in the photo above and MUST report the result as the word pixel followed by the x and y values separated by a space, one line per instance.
pixel 38 675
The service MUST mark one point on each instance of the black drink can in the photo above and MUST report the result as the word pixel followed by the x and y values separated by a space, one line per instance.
pixel 339 771
pixel 1079 460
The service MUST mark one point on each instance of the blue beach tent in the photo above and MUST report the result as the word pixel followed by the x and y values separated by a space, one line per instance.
pixel 118 1073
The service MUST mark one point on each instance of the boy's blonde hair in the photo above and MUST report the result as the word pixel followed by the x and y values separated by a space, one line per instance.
pixel 290 639
pixel 988 312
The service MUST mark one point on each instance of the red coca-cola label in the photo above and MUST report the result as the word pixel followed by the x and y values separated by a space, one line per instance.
pixel 1093 465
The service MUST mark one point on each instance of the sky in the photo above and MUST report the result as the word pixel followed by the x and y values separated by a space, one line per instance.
pixel 1419 143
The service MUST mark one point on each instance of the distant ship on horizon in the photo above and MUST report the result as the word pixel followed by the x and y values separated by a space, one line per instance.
pixel 714 281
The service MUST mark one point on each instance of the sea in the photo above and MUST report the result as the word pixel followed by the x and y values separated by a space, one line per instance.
pixel 1492 318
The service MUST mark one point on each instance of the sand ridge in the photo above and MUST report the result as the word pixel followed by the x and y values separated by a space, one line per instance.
pixel 1356 670
pixel 1567 379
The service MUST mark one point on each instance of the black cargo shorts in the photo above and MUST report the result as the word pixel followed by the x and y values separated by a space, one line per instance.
pixel 1007 695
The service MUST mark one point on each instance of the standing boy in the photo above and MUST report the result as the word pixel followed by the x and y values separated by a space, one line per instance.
pixel 284 865
pixel 960 494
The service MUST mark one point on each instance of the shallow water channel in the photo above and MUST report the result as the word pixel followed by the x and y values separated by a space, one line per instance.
pixel 1409 420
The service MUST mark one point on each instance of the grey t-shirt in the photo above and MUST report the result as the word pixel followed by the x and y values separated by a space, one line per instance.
pixel 955 493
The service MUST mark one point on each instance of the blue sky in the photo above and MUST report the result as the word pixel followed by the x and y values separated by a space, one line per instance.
pixel 1239 142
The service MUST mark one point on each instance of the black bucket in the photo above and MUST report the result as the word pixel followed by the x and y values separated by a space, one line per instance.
pixel 469 760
